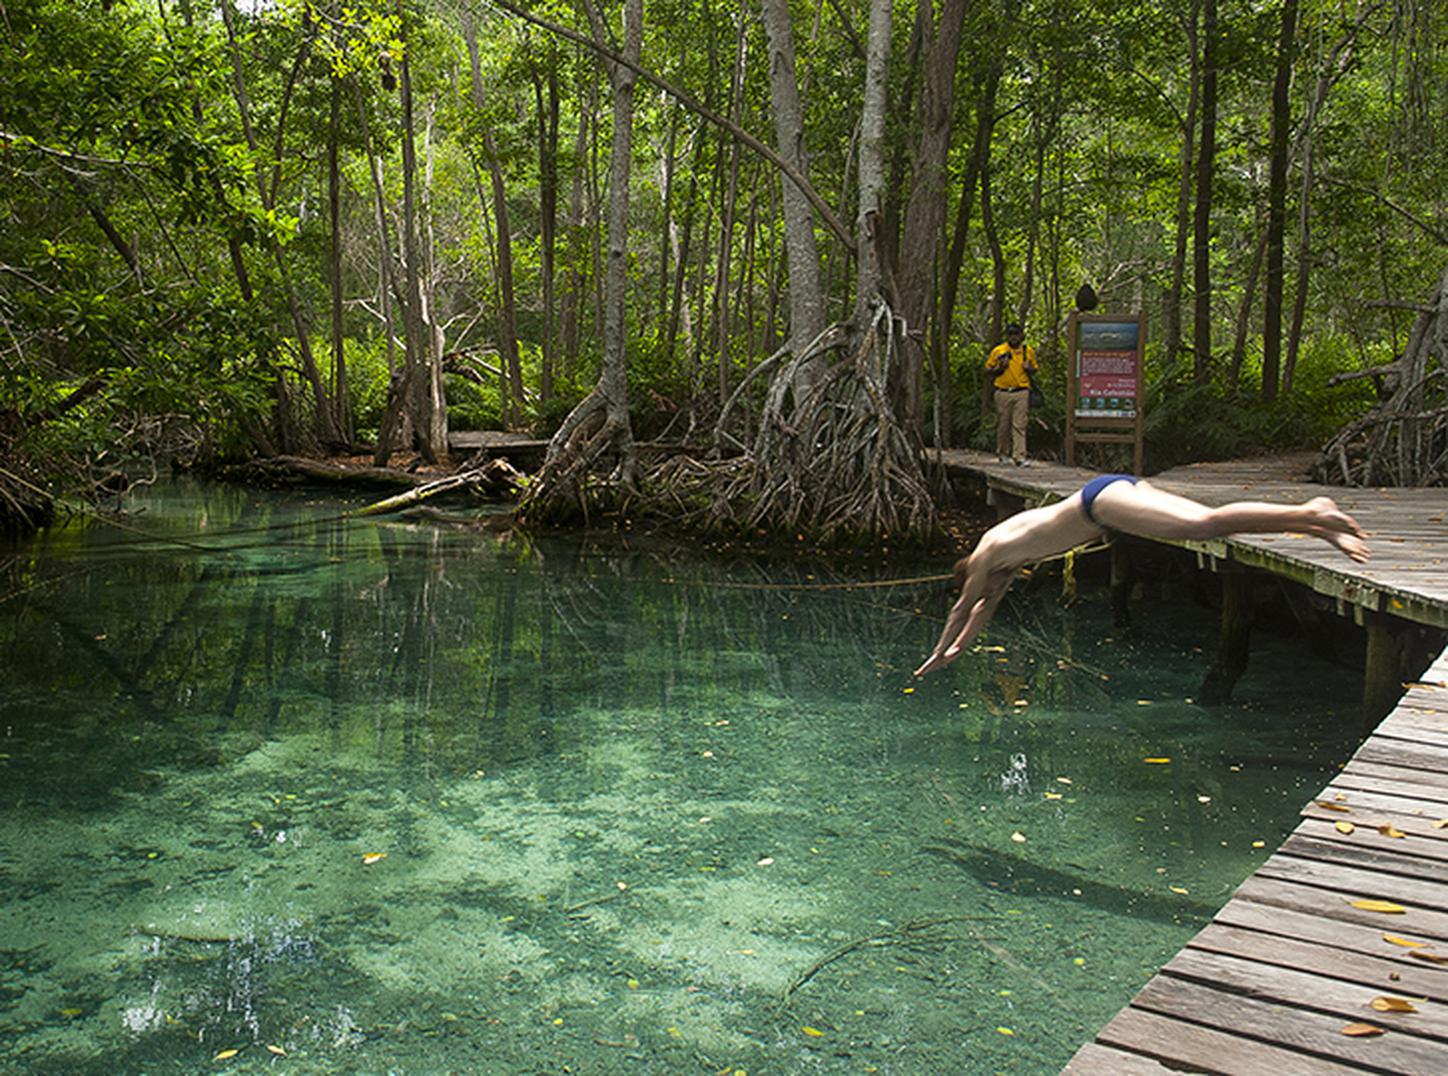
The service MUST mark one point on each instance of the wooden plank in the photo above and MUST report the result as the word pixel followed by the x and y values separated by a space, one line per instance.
pixel 1421 756
pixel 1427 781
pixel 1424 841
pixel 1416 794
pixel 1358 799
pixel 1413 733
pixel 1093 1059
pixel 1431 926
pixel 1406 858
pixel 1190 1047
pixel 1391 972
pixel 1298 1030
pixel 1357 883
pixel 1343 1001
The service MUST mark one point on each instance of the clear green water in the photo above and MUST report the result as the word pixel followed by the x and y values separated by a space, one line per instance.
pixel 626 800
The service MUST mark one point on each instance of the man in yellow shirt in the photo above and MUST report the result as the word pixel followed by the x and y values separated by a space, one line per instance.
pixel 1012 364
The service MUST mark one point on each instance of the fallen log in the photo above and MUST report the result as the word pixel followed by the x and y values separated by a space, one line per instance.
pixel 495 476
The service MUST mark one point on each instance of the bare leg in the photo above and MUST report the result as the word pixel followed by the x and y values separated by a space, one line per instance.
pixel 1154 513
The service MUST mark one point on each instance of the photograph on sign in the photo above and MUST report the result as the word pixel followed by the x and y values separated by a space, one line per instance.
pixel 1107 353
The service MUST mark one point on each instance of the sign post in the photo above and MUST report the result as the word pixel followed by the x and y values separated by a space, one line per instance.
pixel 1104 398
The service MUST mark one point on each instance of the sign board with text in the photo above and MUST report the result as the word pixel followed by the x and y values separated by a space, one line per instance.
pixel 1104 382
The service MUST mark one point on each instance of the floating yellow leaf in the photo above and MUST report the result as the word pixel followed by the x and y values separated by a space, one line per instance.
pixel 1018 837
pixel 277 1050
pixel 1432 958
pixel 226 1055
pixel 1005 1031
pixel 1328 805
pixel 1344 827
pixel 1387 829
pixel 1067 781
pixel 1392 1004
pixel 373 857
pixel 814 1032
pixel 1156 761
pixel 1362 1030
pixel 1387 907
pixel 1052 795
pixel 907 691
pixel 632 984
pixel 1183 890
pixel 767 861
pixel 1406 943
pixel 1143 702
pixel 1259 844
pixel 71 1012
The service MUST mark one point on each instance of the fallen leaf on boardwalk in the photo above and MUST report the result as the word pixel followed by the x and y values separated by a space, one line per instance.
pixel 1387 907
pixel 1018 837
pixel 1440 823
pixel 1156 761
pixel 1387 829
pixel 373 857
pixel 1344 827
pixel 812 1031
pixel 1392 1004
pixel 1406 943
pixel 1432 958
pixel 226 1055
pixel 1328 805
pixel 1362 1030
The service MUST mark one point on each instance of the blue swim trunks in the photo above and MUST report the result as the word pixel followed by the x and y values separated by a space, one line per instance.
pixel 1091 490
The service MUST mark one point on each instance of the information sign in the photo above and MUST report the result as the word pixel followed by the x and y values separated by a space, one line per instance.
pixel 1108 355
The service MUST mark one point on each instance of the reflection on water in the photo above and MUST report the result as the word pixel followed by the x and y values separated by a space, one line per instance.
pixel 385 797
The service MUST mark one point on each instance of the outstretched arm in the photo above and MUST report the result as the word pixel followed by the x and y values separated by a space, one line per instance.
pixel 964 624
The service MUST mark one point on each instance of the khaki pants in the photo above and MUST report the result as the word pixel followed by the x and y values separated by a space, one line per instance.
pixel 1011 411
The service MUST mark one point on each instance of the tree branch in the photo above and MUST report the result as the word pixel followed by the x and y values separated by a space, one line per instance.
pixel 698 108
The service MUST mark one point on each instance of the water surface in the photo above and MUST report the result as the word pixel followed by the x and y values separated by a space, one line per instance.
pixel 383 797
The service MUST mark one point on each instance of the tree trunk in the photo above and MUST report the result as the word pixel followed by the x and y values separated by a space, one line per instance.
pixel 600 423
pixel 1173 311
pixel 340 394
pixel 324 419
pixel 1277 203
pixel 869 279
pixel 415 394
pixel 508 319
pixel 925 212
pixel 1244 312
pixel 987 87
pixel 1202 228
pixel 723 325
pixel 548 108
pixel 806 297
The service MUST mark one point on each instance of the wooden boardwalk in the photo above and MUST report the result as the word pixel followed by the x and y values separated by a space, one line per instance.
pixel 1353 908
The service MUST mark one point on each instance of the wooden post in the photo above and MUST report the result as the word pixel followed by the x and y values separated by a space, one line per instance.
pixel 1234 640
pixel 1382 669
